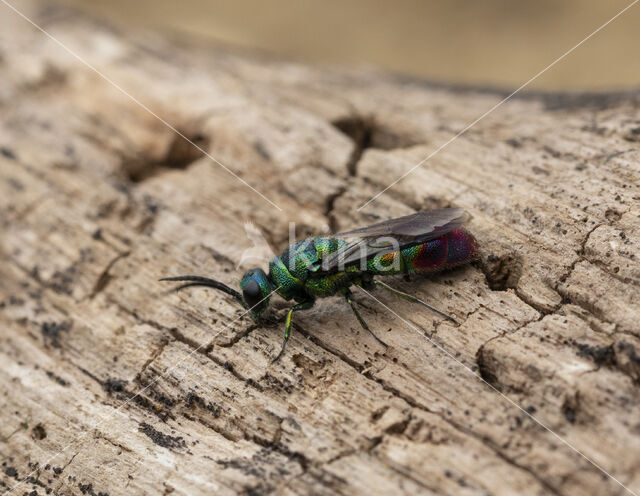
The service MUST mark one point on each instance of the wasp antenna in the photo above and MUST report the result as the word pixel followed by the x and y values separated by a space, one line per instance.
pixel 205 281
pixel 182 286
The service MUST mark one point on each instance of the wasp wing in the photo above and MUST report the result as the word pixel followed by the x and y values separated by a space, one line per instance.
pixel 391 235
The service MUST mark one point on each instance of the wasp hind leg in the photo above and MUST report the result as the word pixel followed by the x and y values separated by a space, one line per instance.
pixel 305 305
pixel 352 304
pixel 413 299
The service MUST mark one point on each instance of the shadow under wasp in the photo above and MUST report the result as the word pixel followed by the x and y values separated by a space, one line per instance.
pixel 425 242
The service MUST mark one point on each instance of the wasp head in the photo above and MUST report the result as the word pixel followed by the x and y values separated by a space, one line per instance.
pixel 256 291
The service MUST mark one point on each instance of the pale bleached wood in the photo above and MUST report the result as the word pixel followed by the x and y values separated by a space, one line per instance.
pixel 99 199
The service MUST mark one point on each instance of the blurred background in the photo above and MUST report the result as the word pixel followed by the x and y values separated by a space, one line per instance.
pixel 498 43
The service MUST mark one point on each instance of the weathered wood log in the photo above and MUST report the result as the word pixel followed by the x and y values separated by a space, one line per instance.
pixel 111 385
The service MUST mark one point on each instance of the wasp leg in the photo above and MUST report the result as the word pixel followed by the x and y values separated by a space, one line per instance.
pixel 305 305
pixel 347 295
pixel 413 299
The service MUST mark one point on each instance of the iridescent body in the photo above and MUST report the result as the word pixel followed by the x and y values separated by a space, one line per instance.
pixel 295 272
pixel 423 243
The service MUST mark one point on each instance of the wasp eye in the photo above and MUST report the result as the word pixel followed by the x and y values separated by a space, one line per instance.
pixel 252 293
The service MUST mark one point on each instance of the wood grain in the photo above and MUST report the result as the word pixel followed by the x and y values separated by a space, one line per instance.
pixel 111 385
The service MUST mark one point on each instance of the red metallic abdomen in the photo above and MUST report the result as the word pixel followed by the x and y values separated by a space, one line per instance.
pixel 455 248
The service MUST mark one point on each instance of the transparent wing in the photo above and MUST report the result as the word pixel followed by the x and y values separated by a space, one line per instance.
pixel 391 235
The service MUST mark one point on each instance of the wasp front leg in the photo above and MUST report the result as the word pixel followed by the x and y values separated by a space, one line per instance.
pixel 304 305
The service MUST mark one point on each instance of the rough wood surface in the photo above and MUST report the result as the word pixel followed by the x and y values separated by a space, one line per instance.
pixel 101 387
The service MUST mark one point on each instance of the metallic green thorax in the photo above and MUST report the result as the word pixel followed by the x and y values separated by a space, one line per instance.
pixel 293 271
